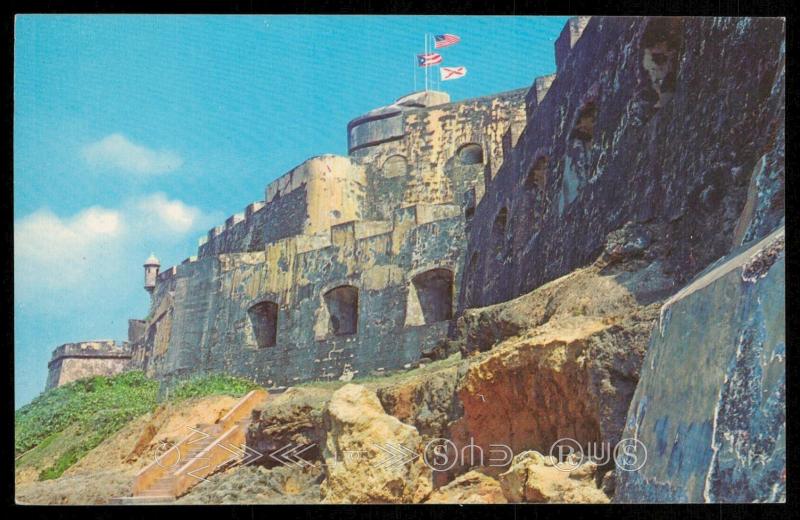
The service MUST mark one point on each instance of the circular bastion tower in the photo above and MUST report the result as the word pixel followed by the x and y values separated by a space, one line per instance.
pixel 385 124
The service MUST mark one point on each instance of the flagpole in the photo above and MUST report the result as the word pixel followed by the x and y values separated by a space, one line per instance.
pixel 436 83
pixel 430 39
pixel 425 46
pixel 433 46
pixel 414 57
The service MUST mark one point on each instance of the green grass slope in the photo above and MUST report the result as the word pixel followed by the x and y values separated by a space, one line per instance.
pixel 63 424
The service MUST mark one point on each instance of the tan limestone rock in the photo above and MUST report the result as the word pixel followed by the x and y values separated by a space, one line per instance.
pixel 361 439
pixel 470 488
pixel 534 478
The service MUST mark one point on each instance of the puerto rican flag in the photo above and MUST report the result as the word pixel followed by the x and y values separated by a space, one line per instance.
pixel 445 40
pixel 426 60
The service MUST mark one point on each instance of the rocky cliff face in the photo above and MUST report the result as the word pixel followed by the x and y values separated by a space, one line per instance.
pixel 535 478
pixel 564 359
pixel 710 409
pixel 359 432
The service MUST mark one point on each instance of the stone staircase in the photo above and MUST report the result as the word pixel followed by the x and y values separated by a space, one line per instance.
pixel 164 485
pixel 206 450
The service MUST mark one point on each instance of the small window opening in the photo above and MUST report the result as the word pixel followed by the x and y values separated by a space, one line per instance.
pixel 430 297
pixel 342 303
pixel 470 154
pixel 264 319
pixel 584 124
pixel 537 176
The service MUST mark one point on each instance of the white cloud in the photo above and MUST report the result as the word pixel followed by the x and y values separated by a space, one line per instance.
pixel 57 251
pixel 163 214
pixel 118 152
pixel 54 256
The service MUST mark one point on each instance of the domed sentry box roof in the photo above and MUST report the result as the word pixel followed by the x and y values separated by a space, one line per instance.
pixel 152 260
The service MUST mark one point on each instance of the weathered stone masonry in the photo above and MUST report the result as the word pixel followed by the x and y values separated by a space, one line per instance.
pixel 349 264
pixel 73 361
pixel 676 124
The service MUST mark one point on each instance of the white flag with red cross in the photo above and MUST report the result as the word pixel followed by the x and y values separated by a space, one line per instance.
pixel 448 73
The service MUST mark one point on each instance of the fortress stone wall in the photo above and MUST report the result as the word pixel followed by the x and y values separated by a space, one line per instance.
pixel 667 130
pixel 73 361
pixel 674 125
pixel 605 248
pixel 350 265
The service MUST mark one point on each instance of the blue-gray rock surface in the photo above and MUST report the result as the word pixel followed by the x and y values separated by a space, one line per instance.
pixel 710 407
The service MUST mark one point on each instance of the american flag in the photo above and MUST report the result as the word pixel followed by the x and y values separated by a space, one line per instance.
pixel 426 60
pixel 445 40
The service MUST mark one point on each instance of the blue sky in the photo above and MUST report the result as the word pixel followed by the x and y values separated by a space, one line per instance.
pixel 135 134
